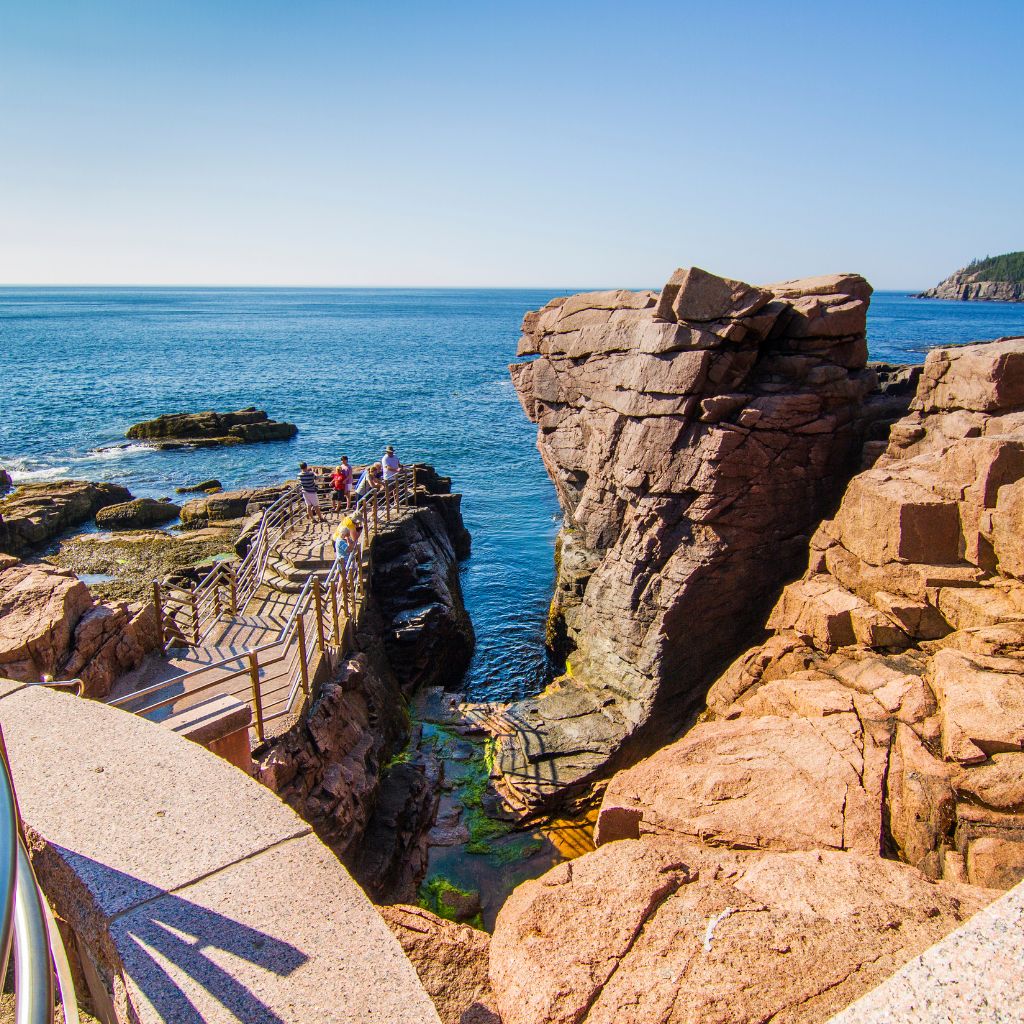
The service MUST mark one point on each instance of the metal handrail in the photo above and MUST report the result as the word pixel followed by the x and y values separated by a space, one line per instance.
pixel 27 923
pixel 320 593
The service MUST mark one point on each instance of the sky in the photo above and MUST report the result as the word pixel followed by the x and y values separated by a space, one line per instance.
pixel 512 144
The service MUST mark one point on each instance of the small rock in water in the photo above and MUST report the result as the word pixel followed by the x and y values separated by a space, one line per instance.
pixel 206 486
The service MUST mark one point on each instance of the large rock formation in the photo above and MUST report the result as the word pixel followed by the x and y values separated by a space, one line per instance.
pixel 695 439
pixel 36 513
pixel 50 625
pixel 211 429
pixel 886 712
pixel 662 932
pixel 137 514
pixel 996 279
pixel 338 766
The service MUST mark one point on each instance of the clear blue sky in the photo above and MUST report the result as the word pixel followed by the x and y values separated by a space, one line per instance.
pixel 549 144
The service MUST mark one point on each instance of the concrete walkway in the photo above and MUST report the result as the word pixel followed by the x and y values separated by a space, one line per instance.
pixel 223 909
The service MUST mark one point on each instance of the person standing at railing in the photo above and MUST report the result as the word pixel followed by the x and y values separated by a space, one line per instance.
pixel 391 468
pixel 370 480
pixel 307 484
pixel 346 537
pixel 341 485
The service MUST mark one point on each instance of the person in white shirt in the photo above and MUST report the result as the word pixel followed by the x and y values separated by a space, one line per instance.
pixel 391 467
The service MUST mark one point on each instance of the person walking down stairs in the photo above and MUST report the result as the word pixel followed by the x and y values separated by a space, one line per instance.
pixel 307 484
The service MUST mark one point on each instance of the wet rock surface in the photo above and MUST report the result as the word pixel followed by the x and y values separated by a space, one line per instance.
pixel 886 711
pixel 37 513
pixel 210 429
pixel 695 439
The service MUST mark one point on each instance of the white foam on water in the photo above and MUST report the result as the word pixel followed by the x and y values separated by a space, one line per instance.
pixel 125 451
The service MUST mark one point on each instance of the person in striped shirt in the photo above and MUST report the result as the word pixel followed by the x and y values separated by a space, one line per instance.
pixel 307 484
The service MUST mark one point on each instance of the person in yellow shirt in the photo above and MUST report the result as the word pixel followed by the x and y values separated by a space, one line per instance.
pixel 346 537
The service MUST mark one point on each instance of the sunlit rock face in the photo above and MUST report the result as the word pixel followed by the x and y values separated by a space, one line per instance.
pixel 695 438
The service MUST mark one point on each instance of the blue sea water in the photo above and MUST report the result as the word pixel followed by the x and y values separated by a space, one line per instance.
pixel 424 370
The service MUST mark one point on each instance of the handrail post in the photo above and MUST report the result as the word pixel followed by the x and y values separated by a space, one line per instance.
pixel 344 589
pixel 159 606
pixel 387 501
pixel 414 500
pixel 334 610
pixel 195 614
pixel 257 701
pixel 319 608
pixel 232 591
pixel 366 519
pixel 303 667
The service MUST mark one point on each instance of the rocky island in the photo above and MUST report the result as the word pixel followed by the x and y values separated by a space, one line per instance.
pixel 211 429
pixel 993 279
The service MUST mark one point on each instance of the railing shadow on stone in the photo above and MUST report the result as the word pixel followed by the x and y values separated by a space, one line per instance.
pixel 165 935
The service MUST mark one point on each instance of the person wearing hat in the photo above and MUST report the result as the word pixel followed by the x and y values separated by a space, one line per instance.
pixel 391 467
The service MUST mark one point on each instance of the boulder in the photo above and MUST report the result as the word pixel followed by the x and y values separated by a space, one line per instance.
pixel 205 485
pixel 36 513
pixel 695 440
pixel 50 626
pixel 137 515
pixel 451 960
pixel 6 483
pixel 910 615
pixel 667 932
pixel 211 429
pixel 227 506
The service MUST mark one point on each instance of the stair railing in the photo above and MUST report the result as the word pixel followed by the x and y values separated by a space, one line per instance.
pixel 27 923
pixel 321 620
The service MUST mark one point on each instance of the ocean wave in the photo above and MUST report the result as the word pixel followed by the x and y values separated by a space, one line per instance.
pixel 43 474
pixel 121 451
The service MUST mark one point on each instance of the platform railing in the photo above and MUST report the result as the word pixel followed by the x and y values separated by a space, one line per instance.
pixel 320 624
pixel 27 924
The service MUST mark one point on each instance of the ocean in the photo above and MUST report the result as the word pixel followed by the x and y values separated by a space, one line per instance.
pixel 356 369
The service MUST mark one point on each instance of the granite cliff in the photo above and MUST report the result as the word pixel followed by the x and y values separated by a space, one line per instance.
pixel 885 713
pixel 695 439
pixel 994 279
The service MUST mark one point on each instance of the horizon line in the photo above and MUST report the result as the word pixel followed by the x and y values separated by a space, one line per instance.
pixel 373 287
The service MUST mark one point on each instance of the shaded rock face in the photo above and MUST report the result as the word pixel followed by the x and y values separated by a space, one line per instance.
pixel 137 514
pixel 451 961
pixel 663 931
pixel 36 513
pixel 427 635
pixel 886 711
pixel 337 767
pixel 695 439
pixel 50 625
pixel 211 429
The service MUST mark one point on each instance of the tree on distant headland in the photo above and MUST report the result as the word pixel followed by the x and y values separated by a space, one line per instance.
pixel 1008 267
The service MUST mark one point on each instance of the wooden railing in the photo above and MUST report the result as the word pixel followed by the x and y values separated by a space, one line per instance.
pixel 319 625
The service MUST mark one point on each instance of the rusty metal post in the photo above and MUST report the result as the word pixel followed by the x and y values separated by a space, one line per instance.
pixel 376 504
pixel 334 611
pixel 319 608
pixel 257 700
pixel 232 590
pixel 303 667
pixel 159 606
pixel 344 590
pixel 195 614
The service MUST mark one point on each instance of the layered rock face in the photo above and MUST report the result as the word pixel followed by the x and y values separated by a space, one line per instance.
pixel 50 625
pixel 886 712
pixel 695 439
pixel 36 513
pixel 964 286
pixel 211 429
